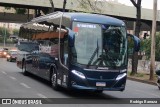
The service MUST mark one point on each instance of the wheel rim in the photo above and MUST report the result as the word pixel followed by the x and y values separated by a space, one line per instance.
pixel 54 78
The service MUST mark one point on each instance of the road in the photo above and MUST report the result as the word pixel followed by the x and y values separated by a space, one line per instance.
pixel 14 85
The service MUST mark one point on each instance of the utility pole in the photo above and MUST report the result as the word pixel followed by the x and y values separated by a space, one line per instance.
pixel 4 37
pixel 152 66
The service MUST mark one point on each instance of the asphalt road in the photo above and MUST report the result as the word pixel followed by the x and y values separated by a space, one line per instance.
pixel 14 85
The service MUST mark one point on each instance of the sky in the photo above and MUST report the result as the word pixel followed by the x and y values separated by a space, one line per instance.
pixel 145 3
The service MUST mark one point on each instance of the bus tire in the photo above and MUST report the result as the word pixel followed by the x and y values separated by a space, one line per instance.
pixel 98 91
pixel 24 69
pixel 54 80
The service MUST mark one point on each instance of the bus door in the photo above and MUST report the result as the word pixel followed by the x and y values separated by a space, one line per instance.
pixel 63 65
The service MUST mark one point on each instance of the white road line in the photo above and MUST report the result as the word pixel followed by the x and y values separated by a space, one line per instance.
pixel 13 78
pixel 147 93
pixel 41 95
pixel 4 72
pixel 25 85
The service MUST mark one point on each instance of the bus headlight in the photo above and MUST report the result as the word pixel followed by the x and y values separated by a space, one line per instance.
pixel 124 70
pixel 121 76
pixel 79 74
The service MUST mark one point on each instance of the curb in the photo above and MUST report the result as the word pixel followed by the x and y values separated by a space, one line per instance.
pixel 143 81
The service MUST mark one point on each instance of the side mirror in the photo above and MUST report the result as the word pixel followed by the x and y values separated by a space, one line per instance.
pixel 136 42
pixel 71 37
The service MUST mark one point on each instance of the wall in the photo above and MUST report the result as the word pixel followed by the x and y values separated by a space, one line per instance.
pixel 143 65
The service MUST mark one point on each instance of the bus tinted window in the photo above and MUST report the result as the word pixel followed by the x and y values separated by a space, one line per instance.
pixel 99 45
pixel 88 39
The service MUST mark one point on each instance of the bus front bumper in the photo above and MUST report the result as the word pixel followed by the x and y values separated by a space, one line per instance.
pixel 117 84
pixel 98 88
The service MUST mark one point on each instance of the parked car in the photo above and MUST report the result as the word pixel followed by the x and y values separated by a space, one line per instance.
pixel 3 52
pixel 12 55
pixel 158 81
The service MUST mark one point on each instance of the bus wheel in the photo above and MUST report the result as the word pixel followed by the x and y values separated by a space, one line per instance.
pixel 24 69
pixel 54 81
pixel 98 91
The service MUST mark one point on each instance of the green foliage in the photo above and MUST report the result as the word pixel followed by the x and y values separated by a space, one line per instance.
pixel 146 46
pixel 8 8
pixel 130 45
pixel 15 31
pixel 91 5
pixel 20 10
pixel 4 31
pixel 1 39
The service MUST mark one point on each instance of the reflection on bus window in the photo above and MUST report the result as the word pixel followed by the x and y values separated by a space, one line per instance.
pixel 92 50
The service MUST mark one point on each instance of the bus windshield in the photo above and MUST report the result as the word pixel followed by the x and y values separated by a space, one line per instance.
pixel 99 45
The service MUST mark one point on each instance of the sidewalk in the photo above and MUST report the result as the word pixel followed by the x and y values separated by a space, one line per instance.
pixel 141 80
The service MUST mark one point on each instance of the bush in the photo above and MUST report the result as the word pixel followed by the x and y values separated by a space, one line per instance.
pixel 146 46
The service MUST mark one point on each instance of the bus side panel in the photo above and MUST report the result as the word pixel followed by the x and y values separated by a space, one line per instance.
pixel 19 60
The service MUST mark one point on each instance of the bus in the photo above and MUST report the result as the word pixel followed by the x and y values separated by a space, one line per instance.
pixel 78 51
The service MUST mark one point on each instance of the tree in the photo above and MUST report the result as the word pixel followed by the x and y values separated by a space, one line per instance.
pixel 15 32
pixel 20 10
pixel 147 49
pixel 64 5
pixel 52 5
pixel 91 5
pixel 4 33
pixel 17 10
pixel 137 4
pixel 3 30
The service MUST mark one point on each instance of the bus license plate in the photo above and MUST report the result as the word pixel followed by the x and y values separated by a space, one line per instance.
pixel 100 84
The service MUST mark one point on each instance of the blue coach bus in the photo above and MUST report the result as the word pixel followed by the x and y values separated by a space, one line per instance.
pixel 78 51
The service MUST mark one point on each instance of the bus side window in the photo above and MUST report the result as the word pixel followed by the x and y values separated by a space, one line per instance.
pixel 65 51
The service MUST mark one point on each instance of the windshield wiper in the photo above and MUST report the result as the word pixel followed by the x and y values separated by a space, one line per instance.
pixel 93 55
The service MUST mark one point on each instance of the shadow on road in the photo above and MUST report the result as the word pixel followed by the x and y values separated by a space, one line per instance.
pixel 73 93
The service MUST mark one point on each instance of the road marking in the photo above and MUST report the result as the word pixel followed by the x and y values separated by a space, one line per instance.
pixel 13 78
pixel 25 85
pixel 41 95
pixel 148 93
pixel 4 72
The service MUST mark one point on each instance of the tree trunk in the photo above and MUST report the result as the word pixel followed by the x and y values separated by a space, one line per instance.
pixel 52 5
pixel 137 31
pixel 64 5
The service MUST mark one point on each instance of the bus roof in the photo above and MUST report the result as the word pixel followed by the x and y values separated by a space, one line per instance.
pixel 68 18
pixel 94 18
